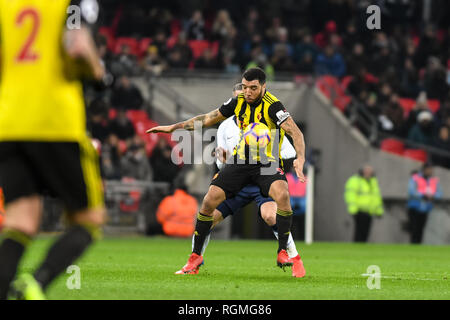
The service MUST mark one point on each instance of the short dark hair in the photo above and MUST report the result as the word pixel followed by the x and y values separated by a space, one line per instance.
pixel 255 74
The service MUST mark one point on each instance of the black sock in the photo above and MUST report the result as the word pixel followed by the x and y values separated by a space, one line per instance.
pixel 202 229
pixel 284 222
pixel 11 250
pixel 63 253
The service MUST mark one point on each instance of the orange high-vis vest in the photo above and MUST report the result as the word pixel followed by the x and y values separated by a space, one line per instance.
pixel 176 214
pixel 426 187
pixel 296 188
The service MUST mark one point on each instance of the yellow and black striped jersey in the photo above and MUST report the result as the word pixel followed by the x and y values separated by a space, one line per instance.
pixel 38 101
pixel 270 111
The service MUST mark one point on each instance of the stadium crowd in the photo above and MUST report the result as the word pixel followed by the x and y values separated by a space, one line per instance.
pixel 407 59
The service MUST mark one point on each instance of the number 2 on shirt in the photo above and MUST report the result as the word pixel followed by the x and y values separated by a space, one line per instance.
pixel 26 54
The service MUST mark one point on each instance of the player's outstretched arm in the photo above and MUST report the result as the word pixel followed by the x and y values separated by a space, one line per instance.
pixel 207 120
pixel 299 144
pixel 80 44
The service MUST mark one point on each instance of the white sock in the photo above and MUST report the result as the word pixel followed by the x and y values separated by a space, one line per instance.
pixel 205 244
pixel 291 249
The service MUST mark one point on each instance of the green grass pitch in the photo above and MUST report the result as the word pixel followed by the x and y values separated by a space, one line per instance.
pixel 143 268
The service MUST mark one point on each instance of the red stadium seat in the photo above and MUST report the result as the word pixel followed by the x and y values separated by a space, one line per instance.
pixel 112 114
pixel 434 105
pixel 197 47
pixel 109 35
pixel 131 42
pixel 342 102
pixel 345 82
pixel 137 115
pixel 393 146
pixel 407 105
pixel 416 154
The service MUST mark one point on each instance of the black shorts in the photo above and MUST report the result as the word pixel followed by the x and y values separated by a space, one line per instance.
pixel 234 177
pixel 68 171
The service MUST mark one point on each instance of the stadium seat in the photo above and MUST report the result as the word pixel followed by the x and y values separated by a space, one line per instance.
pixel 131 42
pixel 197 47
pixel 112 114
pixel 416 154
pixel 137 115
pixel 434 105
pixel 407 105
pixel 345 82
pixel 392 146
pixel 109 35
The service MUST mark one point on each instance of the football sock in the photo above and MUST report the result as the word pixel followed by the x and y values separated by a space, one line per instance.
pixel 291 248
pixel 202 230
pixel 11 250
pixel 64 252
pixel 204 245
pixel 284 221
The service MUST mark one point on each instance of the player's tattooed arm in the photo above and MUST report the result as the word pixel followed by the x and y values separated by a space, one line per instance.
pixel 299 145
pixel 206 120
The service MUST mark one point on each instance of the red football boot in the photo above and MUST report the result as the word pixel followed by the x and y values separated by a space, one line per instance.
pixel 298 271
pixel 192 266
pixel 283 259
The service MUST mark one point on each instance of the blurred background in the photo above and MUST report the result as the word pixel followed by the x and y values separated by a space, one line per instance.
pixel 377 98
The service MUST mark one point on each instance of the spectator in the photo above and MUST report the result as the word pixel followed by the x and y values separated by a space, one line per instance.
pixel 322 39
pixel 160 42
pixel 304 47
pixel 363 198
pixel 422 131
pixel 423 189
pixel 356 59
pixel 435 80
pixel 163 167
pixel 122 127
pixel 273 32
pixel 331 63
pixel 152 62
pixel 421 105
pixel 207 61
pixel 98 122
pixel 184 55
pixel 124 63
pixel 222 26
pixel 110 158
pixel 392 116
pixel 306 65
pixel 176 215
pixel 196 26
pixel 442 141
pixel 134 164
pixel 409 80
pixel 126 95
pixel 259 59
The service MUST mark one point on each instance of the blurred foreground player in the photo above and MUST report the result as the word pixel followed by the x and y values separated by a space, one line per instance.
pixel 43 143
pixel 264 169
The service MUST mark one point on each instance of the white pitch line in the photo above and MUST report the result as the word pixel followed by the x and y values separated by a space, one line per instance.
pixel 396 277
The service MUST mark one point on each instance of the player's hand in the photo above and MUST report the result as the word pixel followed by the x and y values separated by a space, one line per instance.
pixel 164 129
pixel 221 154
pixel 298 166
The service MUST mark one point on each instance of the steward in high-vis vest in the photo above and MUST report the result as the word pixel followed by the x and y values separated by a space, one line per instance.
pixel 363 198
pixel 423 188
